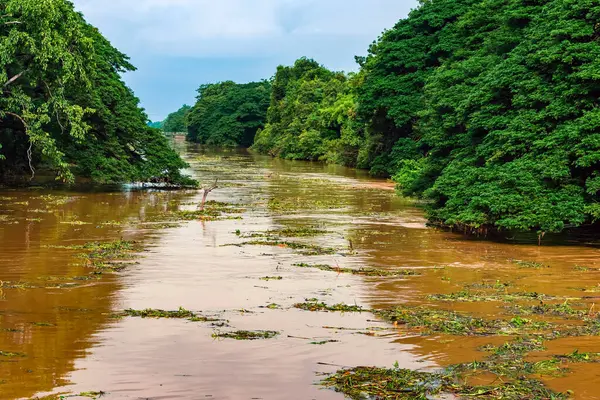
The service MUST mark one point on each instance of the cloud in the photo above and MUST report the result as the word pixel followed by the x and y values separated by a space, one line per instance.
pixel 233 28
pixel 179 44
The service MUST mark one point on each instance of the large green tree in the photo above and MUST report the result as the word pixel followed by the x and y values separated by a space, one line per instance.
pixel 512 123
pixel 311 115
pixel 228 114
pixel 64 107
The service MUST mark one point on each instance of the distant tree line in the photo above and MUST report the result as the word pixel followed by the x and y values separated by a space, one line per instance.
pixel 488 109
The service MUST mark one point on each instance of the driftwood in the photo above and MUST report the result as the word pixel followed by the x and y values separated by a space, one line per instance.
pixel 207 191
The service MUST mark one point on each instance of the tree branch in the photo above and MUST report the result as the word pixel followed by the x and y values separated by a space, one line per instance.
pixel 17 116
pixel 14 78
pixel 207 191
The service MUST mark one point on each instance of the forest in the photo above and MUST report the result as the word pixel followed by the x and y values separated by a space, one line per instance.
pixel 487 110
pixel 65 112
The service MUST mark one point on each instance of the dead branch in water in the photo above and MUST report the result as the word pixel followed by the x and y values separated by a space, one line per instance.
pixel 207 191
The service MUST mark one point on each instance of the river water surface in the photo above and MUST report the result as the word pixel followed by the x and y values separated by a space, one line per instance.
pixel 57 321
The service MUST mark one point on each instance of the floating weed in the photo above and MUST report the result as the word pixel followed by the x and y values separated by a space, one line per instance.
pixel 285 232
pixel 271 278
pixel 556 309
pixel 272 306
pixel 91 395
pixel 213 211
pixel 315 305
pixel 16 285
pixel 360 271
pixel 529 264
pixel 43 324
pixel 498 285
pixel 322 342
pixel 306 249
pixel 402 384
pixel 155 313
pixel 583 268
pixel 182 313
pixel 245 335
pixel 109 256
pixel 579 357
pixel 9 354
pixel 430 321
pixel 469 296
pixel 521 346
pixel 593 289
pixel 291 204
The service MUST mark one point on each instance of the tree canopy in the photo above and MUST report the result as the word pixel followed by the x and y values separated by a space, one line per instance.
pixel 486 108
pixel 176 122
pixel 228 114
pixel 64 106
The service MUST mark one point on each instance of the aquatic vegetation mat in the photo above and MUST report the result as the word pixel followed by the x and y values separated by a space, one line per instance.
pixel 303 248
pixel 182 313
pixel 360 271
pixel 245 335
pixel 402 384
pixel 315 305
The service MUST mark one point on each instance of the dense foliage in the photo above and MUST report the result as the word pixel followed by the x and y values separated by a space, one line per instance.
pixel 64 107
pixel 228 114
pixel 487 108
pixel 311 115
pixel 177 122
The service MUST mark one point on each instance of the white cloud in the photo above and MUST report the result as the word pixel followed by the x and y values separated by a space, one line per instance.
pixel 179 44
pixel 234 28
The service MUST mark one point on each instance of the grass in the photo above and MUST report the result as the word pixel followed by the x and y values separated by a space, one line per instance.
pixel 360 271
pixel 245 335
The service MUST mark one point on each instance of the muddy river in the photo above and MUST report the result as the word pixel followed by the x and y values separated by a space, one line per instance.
pixel 63 331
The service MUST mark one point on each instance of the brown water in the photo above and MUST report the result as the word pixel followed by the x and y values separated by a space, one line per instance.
pixel 71 344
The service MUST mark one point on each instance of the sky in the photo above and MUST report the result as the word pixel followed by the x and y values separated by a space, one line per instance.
pixel 177 45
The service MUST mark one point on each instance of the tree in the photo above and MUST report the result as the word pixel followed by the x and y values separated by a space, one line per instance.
pixel 311 115
pixel 65 107
pixel 43 49
pixel 177 122
pixel 228 114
